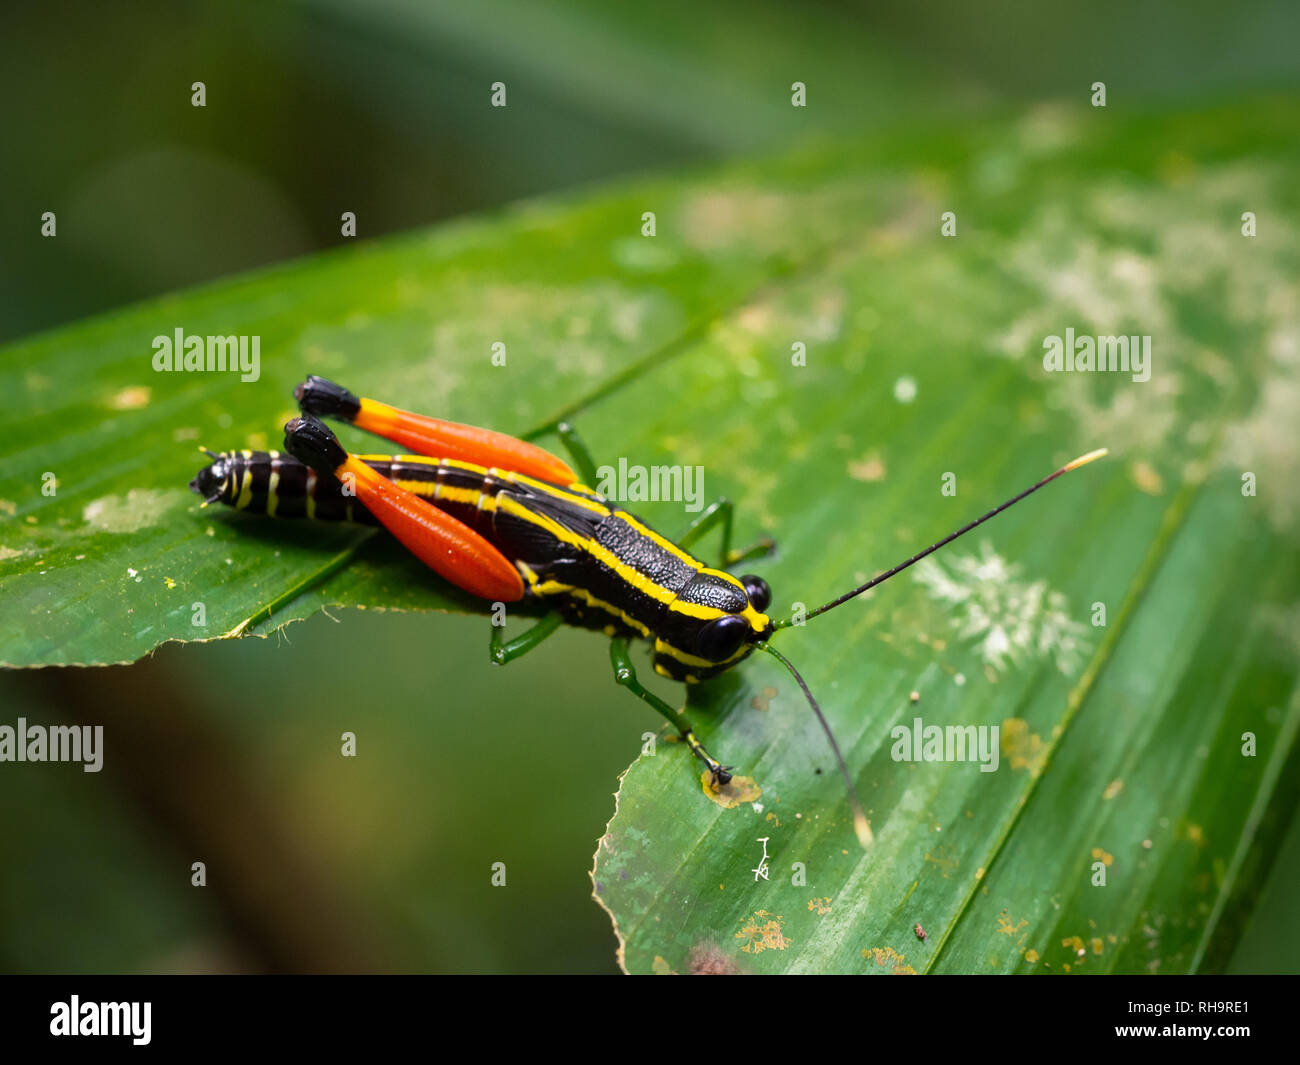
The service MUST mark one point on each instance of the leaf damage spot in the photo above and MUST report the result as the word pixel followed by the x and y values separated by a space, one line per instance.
pixel 869 468
pixel 139 508
pixel 729 796
pixel 1022 748
pixel 761 932
pixel 820 906
pixel 1074 943
pixel 889 958
pixel 941 861
pixel 707 959
pixel 1008 926
pixel 1147 478
pixel 132 398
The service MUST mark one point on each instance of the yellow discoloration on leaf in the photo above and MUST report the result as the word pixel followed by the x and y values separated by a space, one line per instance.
pixel 870 468
pixel 1022 748
pixel 1102 856
pixel 820 906
pixel 760 702
pixel 1074 943
pixel 1031 956
pixel 1097 945
pixel 8 506
pixel 773 819
pixel 1008 926
pixel 889 958
pixel 1147 478
pixel 729 796
pixel 1113 789
pixel 941 861
pixel 661 968
pixel 169 582
pixel 1196 834
pixel 131 398
pixel 762 932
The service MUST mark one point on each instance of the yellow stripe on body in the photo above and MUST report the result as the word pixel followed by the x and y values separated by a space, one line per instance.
pixel 567 494
pixel 471 497
pixel 556 588
pixel 629 574
pixel 245 488
pixel 272 486
pixel 503 475
pixel 663 647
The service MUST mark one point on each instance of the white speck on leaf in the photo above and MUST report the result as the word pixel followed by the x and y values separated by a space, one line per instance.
pixel 905 389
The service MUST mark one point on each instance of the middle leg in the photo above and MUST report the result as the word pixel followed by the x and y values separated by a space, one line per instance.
pixel 720 512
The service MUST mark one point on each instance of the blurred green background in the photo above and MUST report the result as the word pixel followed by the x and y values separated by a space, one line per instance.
pixel 380 108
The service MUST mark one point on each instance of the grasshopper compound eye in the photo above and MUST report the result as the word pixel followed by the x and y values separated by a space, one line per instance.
pixel 760 595
pixel 719 640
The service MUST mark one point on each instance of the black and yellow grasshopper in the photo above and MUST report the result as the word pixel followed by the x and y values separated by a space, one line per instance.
pixel 507 521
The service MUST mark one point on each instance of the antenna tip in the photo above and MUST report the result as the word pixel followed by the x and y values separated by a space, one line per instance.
pixel 1083 460
pixel 862 827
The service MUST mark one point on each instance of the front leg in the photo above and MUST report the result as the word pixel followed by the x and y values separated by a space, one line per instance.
pixel 625 674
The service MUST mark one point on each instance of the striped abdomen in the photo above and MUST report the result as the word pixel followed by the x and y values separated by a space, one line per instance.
pixel 270 482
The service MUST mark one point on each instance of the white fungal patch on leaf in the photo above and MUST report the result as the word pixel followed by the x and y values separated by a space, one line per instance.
pixel 122 514
pixel 1009 619
pixel 1174 266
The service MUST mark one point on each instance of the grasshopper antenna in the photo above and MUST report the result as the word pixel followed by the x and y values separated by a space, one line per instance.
pixel 861 826
pixel 1082 460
